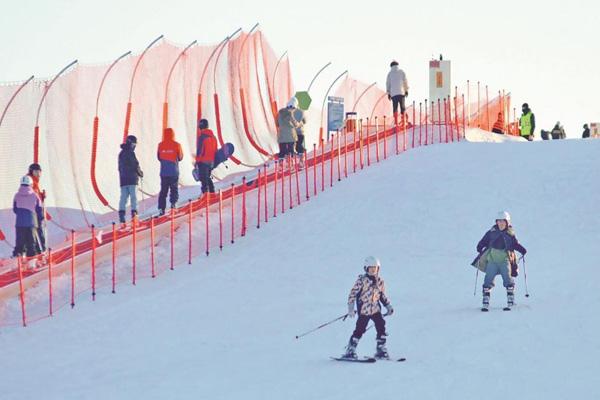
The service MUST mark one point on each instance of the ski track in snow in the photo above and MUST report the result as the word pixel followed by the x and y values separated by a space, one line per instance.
pixel 224 327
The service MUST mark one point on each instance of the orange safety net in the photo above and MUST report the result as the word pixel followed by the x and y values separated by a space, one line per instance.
pixel 80 131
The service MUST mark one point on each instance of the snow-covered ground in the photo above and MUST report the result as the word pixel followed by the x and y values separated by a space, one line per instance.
pixel 224 327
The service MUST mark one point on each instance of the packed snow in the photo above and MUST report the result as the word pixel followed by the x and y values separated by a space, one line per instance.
pixel 225 327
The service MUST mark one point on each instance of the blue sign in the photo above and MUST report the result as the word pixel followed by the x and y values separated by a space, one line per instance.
pixel 335 113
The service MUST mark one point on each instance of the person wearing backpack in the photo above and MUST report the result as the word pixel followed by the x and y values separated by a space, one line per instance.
pixel 206 148
pixel 498 246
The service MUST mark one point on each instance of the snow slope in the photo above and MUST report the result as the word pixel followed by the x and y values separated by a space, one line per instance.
pixel 225 330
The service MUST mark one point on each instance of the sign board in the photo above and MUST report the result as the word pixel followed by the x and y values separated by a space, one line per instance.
pixel 335 113
pixel 304 100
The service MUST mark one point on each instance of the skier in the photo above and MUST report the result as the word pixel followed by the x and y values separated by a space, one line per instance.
pixel 558 132
pixel 527 122
pixel 206 148
pixel 129 175
pixel 287 125
pixel 28 208
pixel 367 293
pixel 397 90
pixel 499 245
pixel 300 117
pixel 586 131
pixel 169 154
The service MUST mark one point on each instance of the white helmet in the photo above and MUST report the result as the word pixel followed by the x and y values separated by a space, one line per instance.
pixel 503 215
pixel 26 180
pixel 293 103
pixel 372 262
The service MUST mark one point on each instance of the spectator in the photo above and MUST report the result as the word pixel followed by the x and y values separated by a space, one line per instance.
pixel 499 124
pixel 28 209
pixel 169 154
pixel 287 133
pixel 129 175
pixel 527 122
pixel 397 90
pixel 558 132
pixel 35 173
pixel 300 117
pixel 586 131
pixel 206 148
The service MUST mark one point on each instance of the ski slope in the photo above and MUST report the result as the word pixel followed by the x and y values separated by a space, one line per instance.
pixel 224 327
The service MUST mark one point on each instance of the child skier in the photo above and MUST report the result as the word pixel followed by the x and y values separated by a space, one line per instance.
pixel 367 293
pixel 499 245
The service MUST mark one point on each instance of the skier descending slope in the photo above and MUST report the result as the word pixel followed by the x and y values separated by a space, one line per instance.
pixel 498 246
pixel 367 293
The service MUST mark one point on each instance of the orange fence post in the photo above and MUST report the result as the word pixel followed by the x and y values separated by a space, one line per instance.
pixel 93 263
pixel 266 182
pixel 305 158
pixel 133 241
pixel 21 290
pixel 172 227
pixel 368 145
pixel 152 263
pixel 221 219
pixel 206 217
pixel 73 250
pixel 384 138
pixel 233 213
pixel 376 140
pixel 50 297
pixel 114 256
pixel 258 193
pixel 420 123
pixel 426 124
pixel 244 211
pixel 189 233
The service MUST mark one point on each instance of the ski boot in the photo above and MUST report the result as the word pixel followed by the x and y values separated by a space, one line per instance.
pixel 381 352
pixel 486 299
pixel 123 225
pixel 351 348
pixel 134 218
pixel 510 298
pixel 161 212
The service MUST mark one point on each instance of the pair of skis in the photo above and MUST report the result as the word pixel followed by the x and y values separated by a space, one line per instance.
pixel 367 360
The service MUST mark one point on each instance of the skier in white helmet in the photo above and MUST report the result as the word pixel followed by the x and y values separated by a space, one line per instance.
pixel 497 249
pixel 27 207
pixel 367 293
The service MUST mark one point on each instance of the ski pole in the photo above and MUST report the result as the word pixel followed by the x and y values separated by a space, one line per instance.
pixel 476 276
pixel 525 275
pixel 322 326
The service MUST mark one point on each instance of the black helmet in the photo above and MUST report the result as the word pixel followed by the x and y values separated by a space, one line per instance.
pixel 203 124
pixel 34 167
pixel 131 139
pixel 393 63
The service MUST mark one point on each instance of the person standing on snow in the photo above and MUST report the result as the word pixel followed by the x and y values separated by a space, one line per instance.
pixel 35 173
pixel 28 208
pixel 300 117
pixel 287 129
pixel 169 154
pixel 397 90
pixel 129 176
pixel 500 244
pixel 499 125
pixel 586 131
pixel 206 148
pixel 367 293
pixel 527 122
pixel 558 132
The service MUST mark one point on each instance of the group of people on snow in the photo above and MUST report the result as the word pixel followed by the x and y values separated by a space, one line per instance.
pixel 496 257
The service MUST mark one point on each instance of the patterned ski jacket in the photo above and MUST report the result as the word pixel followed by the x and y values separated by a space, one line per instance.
pixel 368 292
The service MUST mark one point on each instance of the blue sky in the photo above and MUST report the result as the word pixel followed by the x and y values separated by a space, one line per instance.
pixel 545 53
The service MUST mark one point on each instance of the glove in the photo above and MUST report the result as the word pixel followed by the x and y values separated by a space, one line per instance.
pixel 389 97
pixel 389 309
pixel 351 312
pixel 524 252
pixel 406 94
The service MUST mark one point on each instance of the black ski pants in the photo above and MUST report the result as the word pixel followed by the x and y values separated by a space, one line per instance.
pixel 300 149
pixel 398 100
pixel 26 242
pixel 286 149
pixel 204 170
pixel 363 321
pixel 168 184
